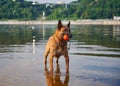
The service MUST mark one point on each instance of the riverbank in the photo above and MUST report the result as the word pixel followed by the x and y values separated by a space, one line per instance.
pixel 74 22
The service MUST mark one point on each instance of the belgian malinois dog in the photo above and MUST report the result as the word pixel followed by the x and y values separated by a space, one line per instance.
pixel 57 46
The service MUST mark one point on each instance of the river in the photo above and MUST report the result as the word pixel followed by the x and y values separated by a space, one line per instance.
pixel 94 56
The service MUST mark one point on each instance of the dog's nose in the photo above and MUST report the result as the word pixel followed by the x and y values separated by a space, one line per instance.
pixel 70 36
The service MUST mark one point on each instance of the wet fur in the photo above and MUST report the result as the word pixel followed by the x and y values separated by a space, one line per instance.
pixel 57 46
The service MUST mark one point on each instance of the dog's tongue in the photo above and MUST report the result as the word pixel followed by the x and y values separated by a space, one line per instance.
pixel 66 37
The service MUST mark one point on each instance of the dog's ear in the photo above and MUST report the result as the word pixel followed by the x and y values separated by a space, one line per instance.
pixel 68 24
pixel 60 24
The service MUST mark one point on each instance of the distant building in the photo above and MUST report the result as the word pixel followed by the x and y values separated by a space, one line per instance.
pixel 43 16
pixel 116 18
pixel 60 2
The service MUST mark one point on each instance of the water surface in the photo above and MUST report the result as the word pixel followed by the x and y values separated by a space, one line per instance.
pixel 94 56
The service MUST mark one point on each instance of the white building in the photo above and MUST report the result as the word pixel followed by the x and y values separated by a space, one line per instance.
pixel 116 18
pixel 43 16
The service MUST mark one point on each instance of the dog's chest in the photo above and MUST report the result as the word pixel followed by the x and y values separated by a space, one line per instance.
pixel 58 52
pixel 60 48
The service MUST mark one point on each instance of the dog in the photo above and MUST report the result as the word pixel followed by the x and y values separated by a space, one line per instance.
pixel 57 46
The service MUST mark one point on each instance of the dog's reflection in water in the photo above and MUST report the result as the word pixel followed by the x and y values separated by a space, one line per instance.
pixel 55 78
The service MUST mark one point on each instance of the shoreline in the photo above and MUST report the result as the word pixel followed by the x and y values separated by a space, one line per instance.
pixel 53 22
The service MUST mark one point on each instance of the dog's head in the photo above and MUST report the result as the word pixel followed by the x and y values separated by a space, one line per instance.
pixel 63 30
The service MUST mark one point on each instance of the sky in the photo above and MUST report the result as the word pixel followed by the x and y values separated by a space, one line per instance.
pixel 52 1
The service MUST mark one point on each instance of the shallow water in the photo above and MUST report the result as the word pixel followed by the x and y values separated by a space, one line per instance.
pixel 94 57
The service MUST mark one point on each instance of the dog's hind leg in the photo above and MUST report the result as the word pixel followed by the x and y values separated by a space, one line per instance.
pixel 57 60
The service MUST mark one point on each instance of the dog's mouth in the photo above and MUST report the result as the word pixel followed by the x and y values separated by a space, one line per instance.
pixel 67 37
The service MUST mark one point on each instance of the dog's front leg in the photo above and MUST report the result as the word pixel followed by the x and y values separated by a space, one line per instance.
pixel 67 63
pixel 45 56
pixel 51 63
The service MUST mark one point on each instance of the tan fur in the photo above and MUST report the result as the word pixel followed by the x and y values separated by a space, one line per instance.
pixel 57 46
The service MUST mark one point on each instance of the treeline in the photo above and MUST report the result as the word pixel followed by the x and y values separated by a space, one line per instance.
pixel 81 9
pixel 20 10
